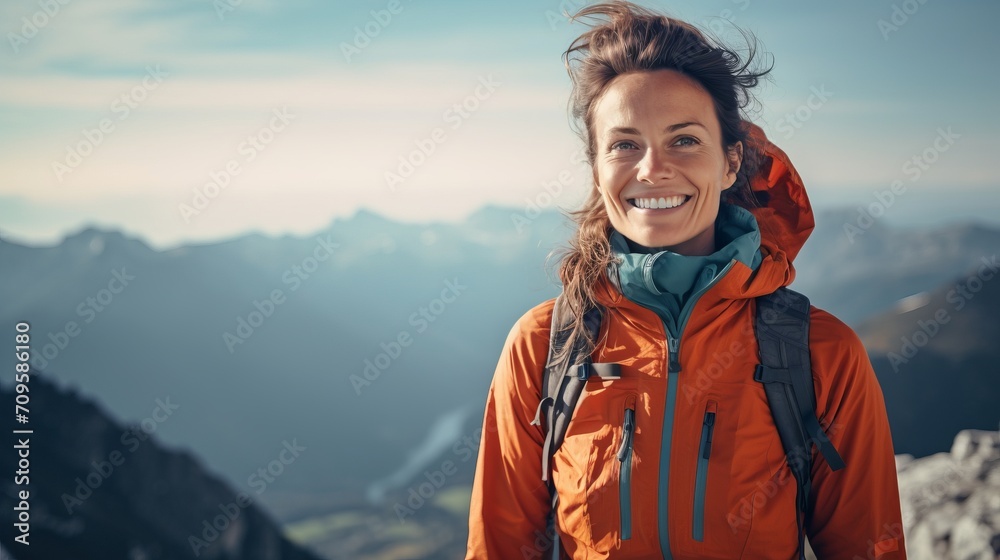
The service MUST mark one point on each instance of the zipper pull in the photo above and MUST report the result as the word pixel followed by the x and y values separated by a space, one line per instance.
pixel 709 424
pixel 674 345
pixel 628 429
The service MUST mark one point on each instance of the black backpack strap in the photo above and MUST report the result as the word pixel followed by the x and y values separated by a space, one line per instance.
pixel 782 327
pixel 562 383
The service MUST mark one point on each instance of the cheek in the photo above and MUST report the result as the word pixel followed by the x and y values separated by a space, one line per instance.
pixel 610 200
pixel 603 177
pixel 708 178
pixel 608 183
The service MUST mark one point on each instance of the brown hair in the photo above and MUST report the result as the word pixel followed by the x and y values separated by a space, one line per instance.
pixel 636 39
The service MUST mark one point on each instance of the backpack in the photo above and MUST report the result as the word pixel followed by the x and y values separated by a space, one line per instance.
pixel 782 330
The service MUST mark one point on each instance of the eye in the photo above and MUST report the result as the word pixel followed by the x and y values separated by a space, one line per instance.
pixel 694 141
pixel 623 144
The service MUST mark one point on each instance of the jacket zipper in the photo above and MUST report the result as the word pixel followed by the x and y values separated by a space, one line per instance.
pixel 625 469
pixel 674 367
pixel 704 452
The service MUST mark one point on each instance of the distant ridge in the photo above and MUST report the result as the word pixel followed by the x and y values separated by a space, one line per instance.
pixel 99 489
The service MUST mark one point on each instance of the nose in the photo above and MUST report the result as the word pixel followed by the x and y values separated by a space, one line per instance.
pixel 654 167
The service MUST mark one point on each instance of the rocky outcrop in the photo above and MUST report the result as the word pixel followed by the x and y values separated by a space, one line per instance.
pixel 951 501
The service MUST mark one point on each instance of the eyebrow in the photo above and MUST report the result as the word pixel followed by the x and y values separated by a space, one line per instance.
pixel 671 128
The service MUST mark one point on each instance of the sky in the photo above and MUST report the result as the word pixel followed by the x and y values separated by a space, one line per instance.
pixel 197 120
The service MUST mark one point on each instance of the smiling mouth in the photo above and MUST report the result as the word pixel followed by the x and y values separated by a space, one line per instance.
pixel 659 203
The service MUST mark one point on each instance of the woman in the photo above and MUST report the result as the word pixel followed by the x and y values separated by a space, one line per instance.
pixel 693 214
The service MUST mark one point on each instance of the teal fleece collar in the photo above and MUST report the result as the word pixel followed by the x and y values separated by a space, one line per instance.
pixel 664 281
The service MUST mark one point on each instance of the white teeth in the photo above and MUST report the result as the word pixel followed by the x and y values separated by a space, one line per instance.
pixel 662 202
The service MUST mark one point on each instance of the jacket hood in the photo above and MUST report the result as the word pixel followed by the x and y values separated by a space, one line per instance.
pixel 785 221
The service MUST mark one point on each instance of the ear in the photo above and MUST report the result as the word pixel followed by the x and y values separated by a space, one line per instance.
pixel 735 157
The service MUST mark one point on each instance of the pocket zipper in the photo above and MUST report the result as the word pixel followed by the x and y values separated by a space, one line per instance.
pixel 625 469
pixel 704 452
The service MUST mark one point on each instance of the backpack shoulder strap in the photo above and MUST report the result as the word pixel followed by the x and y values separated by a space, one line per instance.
pixel 564 380
pixel 562 383
pixel 785 370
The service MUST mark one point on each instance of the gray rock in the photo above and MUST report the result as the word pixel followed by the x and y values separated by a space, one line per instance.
pixel 951 501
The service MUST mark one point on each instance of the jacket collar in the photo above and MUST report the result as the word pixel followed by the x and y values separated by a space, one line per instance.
pixel 785 222
pixel 668 282
pixel 658 272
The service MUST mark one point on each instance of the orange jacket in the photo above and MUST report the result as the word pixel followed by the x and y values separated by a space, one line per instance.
pixel 749 491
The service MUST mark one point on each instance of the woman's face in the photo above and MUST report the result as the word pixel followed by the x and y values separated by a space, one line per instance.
pixel 659 161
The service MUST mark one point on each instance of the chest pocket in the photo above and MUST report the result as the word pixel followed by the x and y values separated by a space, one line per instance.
pixel 743 493
pixel 709 474
pixel 595 467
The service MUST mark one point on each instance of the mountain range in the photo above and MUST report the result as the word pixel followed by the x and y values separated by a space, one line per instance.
pixel 357 340
pixel 93 488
